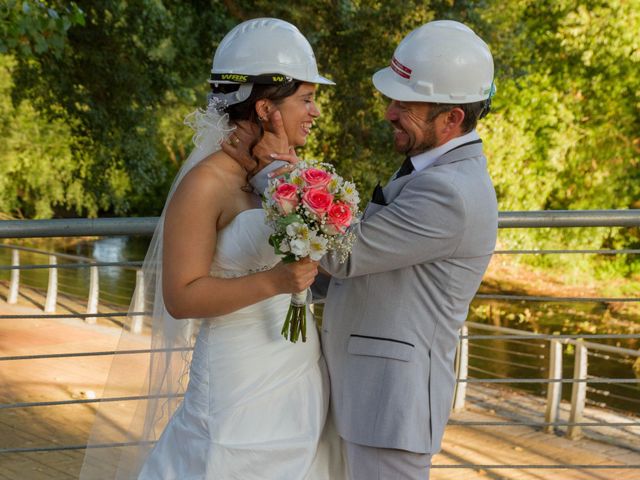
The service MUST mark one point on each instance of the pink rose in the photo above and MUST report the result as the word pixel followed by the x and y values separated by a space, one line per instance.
pixel 339 218
pixel 318 200
pixel 316 178
pixel 286 196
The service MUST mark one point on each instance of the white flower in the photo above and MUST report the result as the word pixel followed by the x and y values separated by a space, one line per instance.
pixel 350 194
pixel 300 247
pixel 317 247
pixel 284 246
pixel 296 177
pixel 334 185
pixel 298 230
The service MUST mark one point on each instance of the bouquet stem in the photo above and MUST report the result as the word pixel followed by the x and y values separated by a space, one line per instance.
pixel 295 325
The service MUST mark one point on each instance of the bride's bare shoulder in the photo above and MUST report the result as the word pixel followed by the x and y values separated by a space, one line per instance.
pixel 217 173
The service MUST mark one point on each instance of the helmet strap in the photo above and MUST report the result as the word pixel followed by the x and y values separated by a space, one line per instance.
pixel 487 103
pixel 232 98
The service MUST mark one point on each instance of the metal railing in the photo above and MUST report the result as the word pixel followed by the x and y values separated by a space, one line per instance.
pixel 54 266
pixel 555 380
pixel 584 345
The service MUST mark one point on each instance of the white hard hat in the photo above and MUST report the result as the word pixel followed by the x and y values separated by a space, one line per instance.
pixel 440 62
pixel 266 51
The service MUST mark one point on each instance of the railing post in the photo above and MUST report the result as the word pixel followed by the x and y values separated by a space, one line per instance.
pixel 138 303
pixel 14 283
pixel 52 288
pixel 462 364
pixel 188 329
pixel 94 289
pixel 554 389
pixel 578 392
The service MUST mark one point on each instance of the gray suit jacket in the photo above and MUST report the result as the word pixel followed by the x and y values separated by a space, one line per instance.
pixel 393 309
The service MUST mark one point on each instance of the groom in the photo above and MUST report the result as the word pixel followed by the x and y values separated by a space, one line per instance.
pixel 393 309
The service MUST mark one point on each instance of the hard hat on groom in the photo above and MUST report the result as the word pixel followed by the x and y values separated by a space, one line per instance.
pixel 440 62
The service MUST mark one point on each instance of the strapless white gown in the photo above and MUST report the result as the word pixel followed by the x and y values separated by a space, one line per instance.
pixel 256 404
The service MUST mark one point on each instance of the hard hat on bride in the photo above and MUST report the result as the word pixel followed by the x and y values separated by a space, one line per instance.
pixel 265 51
pixel 440 62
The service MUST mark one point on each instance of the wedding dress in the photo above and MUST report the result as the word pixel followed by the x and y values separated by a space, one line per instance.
pixel 256 404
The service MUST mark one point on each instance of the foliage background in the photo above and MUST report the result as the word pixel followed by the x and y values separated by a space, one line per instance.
pixel 93 93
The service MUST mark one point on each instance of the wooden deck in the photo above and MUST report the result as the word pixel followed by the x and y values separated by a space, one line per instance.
pixel 64 379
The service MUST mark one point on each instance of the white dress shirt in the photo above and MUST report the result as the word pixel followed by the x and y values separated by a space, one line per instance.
pixel 426 159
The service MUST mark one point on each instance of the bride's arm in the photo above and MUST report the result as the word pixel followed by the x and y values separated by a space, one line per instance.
pixel 190 232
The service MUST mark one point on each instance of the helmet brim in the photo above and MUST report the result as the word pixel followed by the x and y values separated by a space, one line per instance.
pixel 386 82
pixel 321 81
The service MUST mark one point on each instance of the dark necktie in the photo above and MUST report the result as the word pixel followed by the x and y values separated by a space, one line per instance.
pixel 405 169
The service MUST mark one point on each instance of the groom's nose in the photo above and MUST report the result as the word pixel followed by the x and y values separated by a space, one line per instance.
pixel 391 113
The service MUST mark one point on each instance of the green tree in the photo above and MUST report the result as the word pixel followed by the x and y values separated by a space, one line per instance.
pixel 121 75
pixel 32 27
pixel 39 174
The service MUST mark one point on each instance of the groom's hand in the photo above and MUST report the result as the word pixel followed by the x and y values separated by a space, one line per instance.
pixel 238 145
pixel 274 141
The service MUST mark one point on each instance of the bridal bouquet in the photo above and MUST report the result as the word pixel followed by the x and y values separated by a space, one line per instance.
pixel 310 210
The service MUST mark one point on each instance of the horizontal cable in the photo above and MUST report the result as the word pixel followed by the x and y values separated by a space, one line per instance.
pixel 151 442
pixel 551 380
pixel 504 362
pixel 85 400
pixel 543 424
pixel 507 338
pixel 116 296
pixel 607 394
pixel 59 448
pixel 541 336
pixel 72 315
pixel 533 298
pixel 72 290
pixel 497 375
pixel 95 354
pixel 588 251
pixel 536 467
pixel 67 256
pixel 148 397
pixel 70 265
pixel 506 350
pixel 624 361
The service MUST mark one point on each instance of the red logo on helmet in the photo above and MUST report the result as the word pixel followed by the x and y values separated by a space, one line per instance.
pixel 400 69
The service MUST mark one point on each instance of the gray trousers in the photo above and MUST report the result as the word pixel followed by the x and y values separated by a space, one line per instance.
pixel 371 463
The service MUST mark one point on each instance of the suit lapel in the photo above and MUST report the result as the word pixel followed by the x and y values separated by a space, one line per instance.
pixel 461 152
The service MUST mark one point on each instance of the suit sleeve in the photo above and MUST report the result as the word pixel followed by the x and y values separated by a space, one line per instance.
pixel 424 223
pixel 260 180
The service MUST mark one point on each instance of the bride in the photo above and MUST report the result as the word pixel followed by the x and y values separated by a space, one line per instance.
pixel 256 405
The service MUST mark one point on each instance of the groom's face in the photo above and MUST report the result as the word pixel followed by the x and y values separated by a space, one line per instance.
pixel 413 130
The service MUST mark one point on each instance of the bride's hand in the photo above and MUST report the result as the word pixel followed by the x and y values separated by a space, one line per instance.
pixel 296 276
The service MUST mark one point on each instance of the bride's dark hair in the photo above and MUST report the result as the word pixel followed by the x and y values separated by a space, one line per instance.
pixel 246 110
